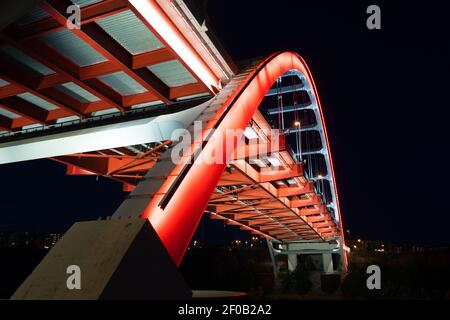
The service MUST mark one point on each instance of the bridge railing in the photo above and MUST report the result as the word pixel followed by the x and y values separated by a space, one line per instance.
pixel 93 121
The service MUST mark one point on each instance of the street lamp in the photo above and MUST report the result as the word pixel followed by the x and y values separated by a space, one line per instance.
pixel 321 190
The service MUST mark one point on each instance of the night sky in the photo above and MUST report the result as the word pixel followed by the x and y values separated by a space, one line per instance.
pixel 385 100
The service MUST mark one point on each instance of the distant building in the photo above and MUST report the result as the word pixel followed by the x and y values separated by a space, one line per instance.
pixel 361 245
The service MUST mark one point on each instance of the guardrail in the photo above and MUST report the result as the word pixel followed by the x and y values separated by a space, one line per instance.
pixel 128 115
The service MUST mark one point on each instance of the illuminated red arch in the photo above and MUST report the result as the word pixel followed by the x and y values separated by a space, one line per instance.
pixel 176 220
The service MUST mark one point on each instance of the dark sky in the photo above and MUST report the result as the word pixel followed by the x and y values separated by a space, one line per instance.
pixel 385 100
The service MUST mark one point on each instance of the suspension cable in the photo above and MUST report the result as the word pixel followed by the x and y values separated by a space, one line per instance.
pixel 280 105
pixel 298 136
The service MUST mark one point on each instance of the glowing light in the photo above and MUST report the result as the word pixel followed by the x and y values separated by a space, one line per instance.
pixel 176 222
pixel 250 134
pixel 297 124
pixel 162 25
pixel 274 161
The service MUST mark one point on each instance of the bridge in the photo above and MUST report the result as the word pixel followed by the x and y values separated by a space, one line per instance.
pixel 143 94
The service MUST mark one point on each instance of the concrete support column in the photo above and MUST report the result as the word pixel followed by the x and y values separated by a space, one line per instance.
pixel 273 258
pixel 327 263
pixel 108 264
pixel 292 262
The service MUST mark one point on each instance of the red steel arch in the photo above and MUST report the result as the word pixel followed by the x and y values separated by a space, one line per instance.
pixel 175 218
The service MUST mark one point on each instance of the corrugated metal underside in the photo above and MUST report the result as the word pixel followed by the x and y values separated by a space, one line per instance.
pixel 62 74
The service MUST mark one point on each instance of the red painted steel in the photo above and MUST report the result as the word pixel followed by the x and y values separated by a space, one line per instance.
pixel 176 223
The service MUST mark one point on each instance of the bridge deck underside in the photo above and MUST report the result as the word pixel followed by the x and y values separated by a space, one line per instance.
pixel 263 192
pixel 52 74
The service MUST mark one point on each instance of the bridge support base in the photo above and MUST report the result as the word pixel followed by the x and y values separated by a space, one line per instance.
pixel 110 259
pixel 320 255
pixel 292 260
pixel 327 263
